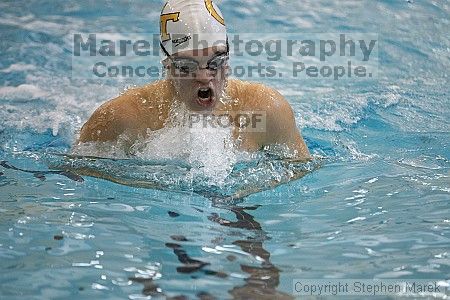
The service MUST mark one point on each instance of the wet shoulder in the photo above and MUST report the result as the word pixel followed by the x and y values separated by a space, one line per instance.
pixel 254 95
pixel 157 91
pixel 134 111
pixel 151 104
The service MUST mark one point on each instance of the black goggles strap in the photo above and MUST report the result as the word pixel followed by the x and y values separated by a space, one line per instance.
pixel 164 49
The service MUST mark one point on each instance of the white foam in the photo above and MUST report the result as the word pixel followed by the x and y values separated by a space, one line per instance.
pixel 53 24
pixel 100 149
pixel 332 114
pixel 23 92
pixel 19 67
pixel 210 150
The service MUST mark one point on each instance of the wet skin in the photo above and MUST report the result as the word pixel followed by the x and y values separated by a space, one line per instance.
pixel 147 108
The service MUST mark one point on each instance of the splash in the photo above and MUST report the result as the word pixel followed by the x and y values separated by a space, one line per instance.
pixel 184 156
pixel 210 151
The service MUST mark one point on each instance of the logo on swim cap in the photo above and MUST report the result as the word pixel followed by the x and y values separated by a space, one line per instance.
pixel 174 17
pixel 191 24
pixel 213 12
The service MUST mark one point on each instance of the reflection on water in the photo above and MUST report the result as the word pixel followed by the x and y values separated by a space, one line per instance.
pixel 262 281
pixel 41 174
pixel 265 171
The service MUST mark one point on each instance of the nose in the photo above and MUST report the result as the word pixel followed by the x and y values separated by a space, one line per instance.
pixel 204 75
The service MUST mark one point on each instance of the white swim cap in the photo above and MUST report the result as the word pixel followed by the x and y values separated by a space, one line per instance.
pixel 191 24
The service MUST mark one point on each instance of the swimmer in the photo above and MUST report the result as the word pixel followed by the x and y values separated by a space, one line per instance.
pixel 197 79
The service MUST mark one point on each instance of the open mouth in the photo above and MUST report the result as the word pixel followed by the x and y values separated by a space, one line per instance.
pixel 205 97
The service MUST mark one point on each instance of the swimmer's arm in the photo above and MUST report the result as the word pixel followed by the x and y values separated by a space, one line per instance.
pixel 109 121
pixel 281 129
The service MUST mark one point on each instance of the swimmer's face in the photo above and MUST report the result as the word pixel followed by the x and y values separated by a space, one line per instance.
pixel 199 76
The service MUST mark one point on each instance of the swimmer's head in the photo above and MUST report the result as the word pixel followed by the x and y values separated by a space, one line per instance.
pixel 188 25
pixel 194 40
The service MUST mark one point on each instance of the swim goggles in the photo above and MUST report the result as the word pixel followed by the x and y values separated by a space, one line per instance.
pixel 188 65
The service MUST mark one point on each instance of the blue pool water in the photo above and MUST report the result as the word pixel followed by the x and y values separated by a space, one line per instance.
pixel 377 207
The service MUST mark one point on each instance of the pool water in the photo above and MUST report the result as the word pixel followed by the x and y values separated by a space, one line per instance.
pixel 377 205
